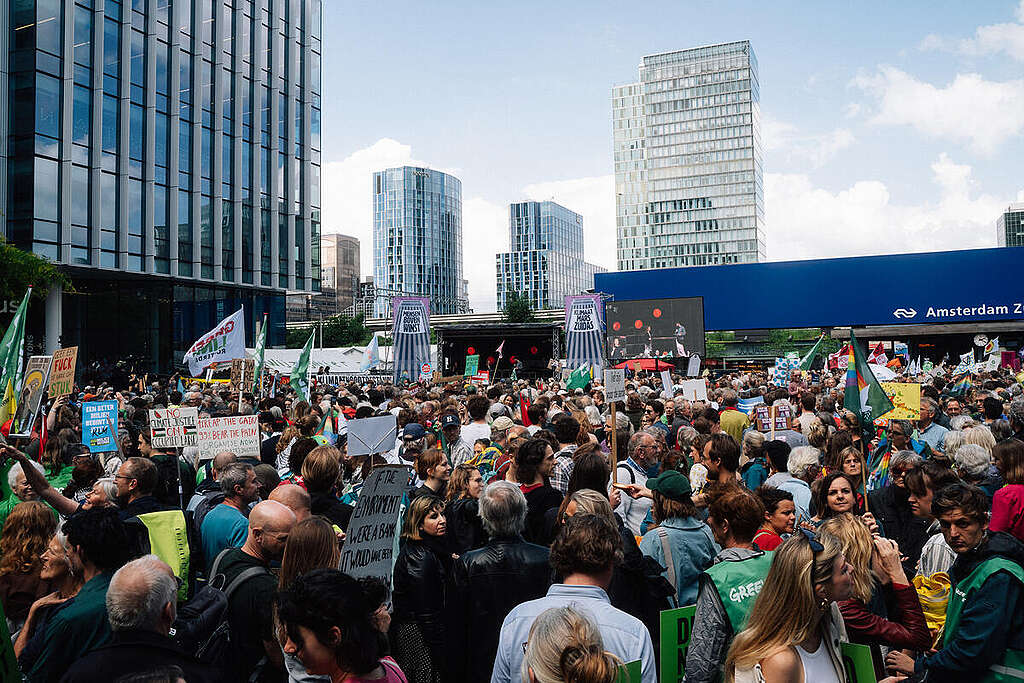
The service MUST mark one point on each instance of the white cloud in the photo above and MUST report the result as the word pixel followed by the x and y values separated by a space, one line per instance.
pixel 594 199
pixel 484 233
pixel 815 149
pixel 980 113
pixel 805 221
pixel 992 39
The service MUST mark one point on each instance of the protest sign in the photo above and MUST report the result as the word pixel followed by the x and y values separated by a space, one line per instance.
pixel 614 385
pixel 372 435
pixel 695 389
pixel 666 384
pixel 472 365
pixel 858 662
pixel 693 366
pixel 676 629
pixel 239 434
pixel 31 395
pixel 97 419
pixel 222 344
pixel 906 399
pixel 237 370
pixel 174 427
pixel 371 539
pixel 482 377
pixel 631 673
pixel 62 373
pixel 771 418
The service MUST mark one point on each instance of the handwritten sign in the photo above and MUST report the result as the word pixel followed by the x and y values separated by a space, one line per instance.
pixel 174 427
pixel 676 630
pixel 472 364
pixel 614 385
pixel 97 418
pixel 62 373
pixel 239 434
pixel 371 539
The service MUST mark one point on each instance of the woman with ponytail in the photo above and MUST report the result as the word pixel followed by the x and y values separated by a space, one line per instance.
pixel 565 646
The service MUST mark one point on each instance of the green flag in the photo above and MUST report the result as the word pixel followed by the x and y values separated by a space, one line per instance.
pixel 299 378
pixel 12 347
pixel 579 377
pixel 864 395
pixel 261 345
pixel 808 360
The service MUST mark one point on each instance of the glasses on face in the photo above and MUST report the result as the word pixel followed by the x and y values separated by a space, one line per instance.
pixel 124 476
pixel 900 472
pixel 892 433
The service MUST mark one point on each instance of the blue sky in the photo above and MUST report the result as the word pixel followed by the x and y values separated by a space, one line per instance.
pixel 889 127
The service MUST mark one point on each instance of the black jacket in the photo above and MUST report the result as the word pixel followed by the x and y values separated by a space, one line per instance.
pixel 538 502
pixel 422 579
pixel 891 507
pixel 134 652
pixel 328 505
pixel 268 450
pixel 991 621
pixel 465 530
pixel 489 582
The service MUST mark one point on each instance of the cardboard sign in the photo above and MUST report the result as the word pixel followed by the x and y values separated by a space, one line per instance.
pixel 97 418
pixel 676 630
pixel 858 662
pixel 693 366
pixel 33 385
pixel 695 389
pixel 239 434
pixel 472 365
pixel 237 370
pixel 371 540
pixel 62 374
pixel 174 427
pixel 614 385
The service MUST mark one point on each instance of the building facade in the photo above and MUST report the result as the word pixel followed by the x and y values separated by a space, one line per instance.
pixel 688 160
pixel 339 281
pixel 546 259
pixel 170 148
pixel 417 238
pixel 1010 226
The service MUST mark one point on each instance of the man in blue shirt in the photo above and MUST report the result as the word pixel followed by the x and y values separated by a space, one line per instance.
pixel 929 431
pixel 227 525
pixel 584 555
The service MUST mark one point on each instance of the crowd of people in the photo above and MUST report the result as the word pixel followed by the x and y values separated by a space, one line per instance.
pixel 528 550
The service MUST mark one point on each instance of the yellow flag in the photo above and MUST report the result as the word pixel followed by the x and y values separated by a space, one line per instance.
pixel 9 403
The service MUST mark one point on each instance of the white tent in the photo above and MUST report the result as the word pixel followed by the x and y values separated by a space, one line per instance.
pixel 339 360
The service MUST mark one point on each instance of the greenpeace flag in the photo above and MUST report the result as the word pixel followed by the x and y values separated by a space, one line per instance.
pixel 864 395
pixel 222 344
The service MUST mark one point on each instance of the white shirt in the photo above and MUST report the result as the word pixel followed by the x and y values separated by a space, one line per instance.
pixel 475 430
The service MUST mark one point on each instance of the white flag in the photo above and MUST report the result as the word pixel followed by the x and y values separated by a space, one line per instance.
pixel 222 344
pixel 371 356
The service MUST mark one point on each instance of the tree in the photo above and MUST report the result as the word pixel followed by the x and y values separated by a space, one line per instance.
pixel 338 330
pixel 518 308
pixel 22 269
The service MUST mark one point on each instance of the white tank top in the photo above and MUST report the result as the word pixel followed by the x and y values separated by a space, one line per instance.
pixel 817 665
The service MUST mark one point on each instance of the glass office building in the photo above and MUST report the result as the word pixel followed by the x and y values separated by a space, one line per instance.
pixel 688 160
pixel 170 148
pixel 1010 226
pixel 546 261
pixel 417 238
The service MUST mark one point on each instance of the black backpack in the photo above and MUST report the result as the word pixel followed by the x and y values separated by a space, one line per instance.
pixel 202 625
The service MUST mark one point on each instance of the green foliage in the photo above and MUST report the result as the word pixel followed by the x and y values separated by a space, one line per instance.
pixel 338 330
pixel 518 308
pixel 22 269
pixel 715 343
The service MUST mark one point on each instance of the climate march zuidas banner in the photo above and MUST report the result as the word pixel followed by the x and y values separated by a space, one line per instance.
pixel 411 326
pixel 222 344
pixel 584 331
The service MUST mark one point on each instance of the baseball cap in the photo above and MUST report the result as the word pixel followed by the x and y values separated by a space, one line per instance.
pixel 502 423
pixel 672 485
pixel 449 420
pixel 413 430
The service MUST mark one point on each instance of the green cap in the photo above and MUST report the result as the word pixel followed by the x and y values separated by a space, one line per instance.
pixel 672 485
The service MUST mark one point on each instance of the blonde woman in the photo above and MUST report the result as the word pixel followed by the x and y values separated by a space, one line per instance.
pixel 565 646
pixel 794 629
pixel 877 568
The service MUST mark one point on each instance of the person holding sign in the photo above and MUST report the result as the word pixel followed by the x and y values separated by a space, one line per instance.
pixel 795 628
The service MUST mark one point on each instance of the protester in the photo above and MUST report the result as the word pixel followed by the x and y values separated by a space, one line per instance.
pixel 208 493
pixel 929 431
pixel 227 525
pixel 535 460
pixel 790 470
pixel 973 464
pixel 834 496
pixel 459 450
pixel 730 586
pixel 755 470
pixel 891 508
pixel 175 478
pixel 565 646
pixel 321 472
pixel 1008 502
pixel 465 532
pixel 423 570
pixel 642 457
pixel 56 569
pixel 922 483
pixel 732 421
pixel 432 467
pixel 779 517
pixel 490 581
pixel 27 533
pixel 21 489
pixel 584 554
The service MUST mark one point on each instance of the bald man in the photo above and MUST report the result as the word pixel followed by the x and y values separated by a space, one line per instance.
pixel 249 607
pixel 295 498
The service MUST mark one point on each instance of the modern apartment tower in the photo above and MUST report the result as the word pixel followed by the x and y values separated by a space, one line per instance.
pixel 1010 226
pixel 417 238
pixel 688 160
pixel 166 154
pixel 546 259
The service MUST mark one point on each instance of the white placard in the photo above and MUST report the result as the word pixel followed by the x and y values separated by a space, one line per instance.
pixel 614 385
pixel 174 427
pixel 666 384
pixel 695 389
pixel 239 434
pixel 693 366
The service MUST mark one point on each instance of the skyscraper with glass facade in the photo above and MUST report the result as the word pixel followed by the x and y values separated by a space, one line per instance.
pixel 1010 226
pixel 688 160
pixel 171 147
pixel 546 259
pixel 417 238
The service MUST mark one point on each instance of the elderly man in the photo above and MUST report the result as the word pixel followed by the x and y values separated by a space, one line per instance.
pixel 792 470
pixel 208 493
pixel 929 431
pixel 732 421
pixel 141 606
pixel 295 498
pixel 490 581
pixel 642 458
pixel 226 526
pixel 21 488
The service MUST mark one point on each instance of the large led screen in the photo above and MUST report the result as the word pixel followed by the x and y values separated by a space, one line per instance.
pixel 655 328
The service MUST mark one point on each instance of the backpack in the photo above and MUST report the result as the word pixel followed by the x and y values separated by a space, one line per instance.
pixel 202 625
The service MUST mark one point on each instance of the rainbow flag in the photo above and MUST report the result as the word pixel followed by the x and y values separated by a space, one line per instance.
pixel 959 384
pixel 864 395
pixel 879 472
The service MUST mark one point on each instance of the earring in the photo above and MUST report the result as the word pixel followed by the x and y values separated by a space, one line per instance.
pixel 823 604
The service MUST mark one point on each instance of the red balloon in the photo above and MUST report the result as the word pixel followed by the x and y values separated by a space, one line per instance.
pixel 470 351
pixel 638 324
pixel 490 360
pixel 534 350
pixel 511 359
pixel 616 326
pixel 657 312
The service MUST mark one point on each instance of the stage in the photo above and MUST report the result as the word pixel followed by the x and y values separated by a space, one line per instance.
pixel 535 344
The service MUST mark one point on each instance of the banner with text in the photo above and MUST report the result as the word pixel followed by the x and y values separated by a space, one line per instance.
pixel 223 344
pixel 239 434
pixel 371 541
pixel 584 331
pixel 98 417
pixel 174 427
pixel 62 373
pixel 411 330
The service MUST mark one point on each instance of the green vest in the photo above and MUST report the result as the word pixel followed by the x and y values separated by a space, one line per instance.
pixel 1011 666
pixel 738 583
pixel 168 540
